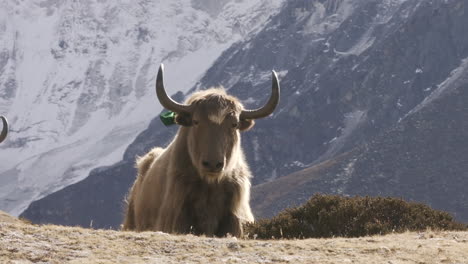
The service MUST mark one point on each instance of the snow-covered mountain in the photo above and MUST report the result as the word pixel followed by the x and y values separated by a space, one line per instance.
pixel 77 78
pixel 372 103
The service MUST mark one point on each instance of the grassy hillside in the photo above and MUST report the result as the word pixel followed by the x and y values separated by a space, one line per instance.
pixel 21 242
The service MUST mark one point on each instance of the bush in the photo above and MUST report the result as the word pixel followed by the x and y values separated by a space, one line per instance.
pixel 332 215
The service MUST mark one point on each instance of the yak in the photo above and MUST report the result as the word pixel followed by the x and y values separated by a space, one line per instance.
pixel 4 132
pixel 200 183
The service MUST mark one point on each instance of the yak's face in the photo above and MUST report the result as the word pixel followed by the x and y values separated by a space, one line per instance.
pixel 213 136
pixel 212 121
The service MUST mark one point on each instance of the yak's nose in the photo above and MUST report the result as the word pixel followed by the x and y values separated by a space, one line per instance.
pixel 213 166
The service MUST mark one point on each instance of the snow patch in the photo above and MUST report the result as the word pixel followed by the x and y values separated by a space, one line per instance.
pixel 460 74
pixel 256 148
pixel 343 177
pixel 83 75
pixel 351 121
pixel 320 22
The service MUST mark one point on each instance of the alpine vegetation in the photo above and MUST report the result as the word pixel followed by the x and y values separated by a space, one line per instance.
pixel 338 216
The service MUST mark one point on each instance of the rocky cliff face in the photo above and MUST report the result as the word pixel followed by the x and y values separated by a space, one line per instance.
pixel 410 143
pixel 360 81
pixel 422 158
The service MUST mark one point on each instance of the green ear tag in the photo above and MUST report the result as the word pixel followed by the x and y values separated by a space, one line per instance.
pixel 168 118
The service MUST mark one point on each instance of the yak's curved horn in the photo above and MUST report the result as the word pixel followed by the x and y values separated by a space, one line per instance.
pixel 4 133
pixel 270 106
pixel 164 99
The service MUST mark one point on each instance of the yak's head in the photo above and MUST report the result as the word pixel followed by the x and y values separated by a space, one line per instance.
pixel 213 120
pixel 4 132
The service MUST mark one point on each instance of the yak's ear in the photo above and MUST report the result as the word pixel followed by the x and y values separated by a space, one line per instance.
pixel 246 124
pixel 183 119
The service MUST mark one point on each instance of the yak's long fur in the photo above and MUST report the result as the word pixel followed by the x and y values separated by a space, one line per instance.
pixel 170 193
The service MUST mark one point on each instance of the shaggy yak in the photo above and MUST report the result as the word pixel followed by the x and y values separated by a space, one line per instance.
pixel 200 183
pixel 4 133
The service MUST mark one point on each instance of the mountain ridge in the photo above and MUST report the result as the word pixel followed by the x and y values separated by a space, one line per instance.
pixel 75 79
pixel 350 72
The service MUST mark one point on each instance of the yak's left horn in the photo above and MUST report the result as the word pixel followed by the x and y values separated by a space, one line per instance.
pixel 4 133
pixel 164 99
pixel 270 106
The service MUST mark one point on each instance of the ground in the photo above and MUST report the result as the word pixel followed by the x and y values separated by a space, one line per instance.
pixel 21 242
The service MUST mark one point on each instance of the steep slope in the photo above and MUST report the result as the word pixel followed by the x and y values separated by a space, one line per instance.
pixel 422 158
pixel 76 79
pixel 350 72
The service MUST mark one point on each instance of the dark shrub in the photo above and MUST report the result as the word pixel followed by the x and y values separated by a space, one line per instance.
pixel 332 215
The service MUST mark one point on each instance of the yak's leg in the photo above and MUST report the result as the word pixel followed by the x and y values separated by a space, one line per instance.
pixel 230 224
pixel 129 221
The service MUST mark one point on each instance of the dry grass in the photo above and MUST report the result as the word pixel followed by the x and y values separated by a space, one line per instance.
pixel 21 242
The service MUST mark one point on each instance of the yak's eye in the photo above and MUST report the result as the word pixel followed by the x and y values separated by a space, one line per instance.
pixel 235 125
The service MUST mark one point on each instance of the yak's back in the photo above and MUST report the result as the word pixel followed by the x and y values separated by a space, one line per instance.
pixel 144 163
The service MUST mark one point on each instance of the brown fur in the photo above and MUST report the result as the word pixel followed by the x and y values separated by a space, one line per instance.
pixel 173 191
